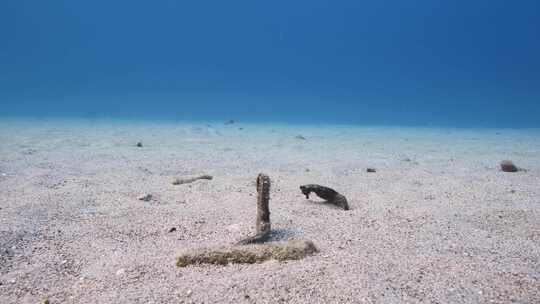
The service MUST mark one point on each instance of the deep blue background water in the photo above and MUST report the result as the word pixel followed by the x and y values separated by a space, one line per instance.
pixel 424 62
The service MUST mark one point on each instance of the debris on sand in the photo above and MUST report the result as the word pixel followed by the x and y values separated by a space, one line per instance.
pixel 145 197
pixel 139 144
pixel 371 170
pixel 300 137
pixel 173 229
pixel 120 271
pixel 180 181
pixel 291 250
pixel 330 195
pixel 508 166
pixel 262 224
pixel 29 151
pixel 247 250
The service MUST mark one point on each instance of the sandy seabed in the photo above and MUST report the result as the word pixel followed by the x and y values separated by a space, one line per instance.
pixel 437 223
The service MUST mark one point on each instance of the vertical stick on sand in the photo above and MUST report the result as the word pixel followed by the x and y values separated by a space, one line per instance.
pixel 291 250
pixel 263 212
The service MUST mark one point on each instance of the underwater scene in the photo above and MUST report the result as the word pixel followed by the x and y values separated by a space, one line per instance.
pixel 269 152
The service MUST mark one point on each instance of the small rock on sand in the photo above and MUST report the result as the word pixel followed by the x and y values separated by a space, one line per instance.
pixel 120 271
pixel 234 228
pixel 508 166
pixel 139 144
pixel 371 170
pixel 145 197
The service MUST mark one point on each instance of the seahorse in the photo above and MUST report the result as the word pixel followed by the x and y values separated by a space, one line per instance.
pixel 328 194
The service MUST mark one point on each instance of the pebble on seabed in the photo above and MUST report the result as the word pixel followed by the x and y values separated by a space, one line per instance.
pixel 508 166
pixel 145 197
pixel 139 144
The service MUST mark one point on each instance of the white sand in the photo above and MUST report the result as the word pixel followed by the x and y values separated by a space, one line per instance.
pixel 445 227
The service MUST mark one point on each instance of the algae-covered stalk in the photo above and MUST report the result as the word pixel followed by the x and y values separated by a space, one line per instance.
pixel 262 223
pixel 251 254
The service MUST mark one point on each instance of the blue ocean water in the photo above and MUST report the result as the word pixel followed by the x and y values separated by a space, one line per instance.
pixel 418 63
